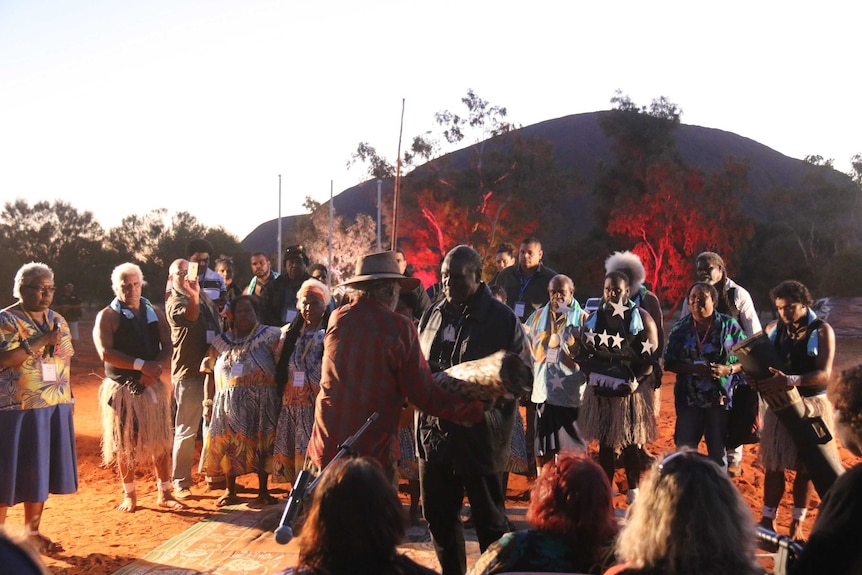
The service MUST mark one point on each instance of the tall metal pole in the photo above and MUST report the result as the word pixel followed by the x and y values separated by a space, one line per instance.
pixel 397 184
pixel 331 217
pixel 379 207
pixel 278 255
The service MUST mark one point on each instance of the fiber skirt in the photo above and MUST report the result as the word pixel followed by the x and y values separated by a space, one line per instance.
pixel 134 427
pixel 37 454
pixel 777 450
pixel 619 421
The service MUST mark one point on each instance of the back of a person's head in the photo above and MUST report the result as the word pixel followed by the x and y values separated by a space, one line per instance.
pixel 572 498
pixel 354 522
pixel 689 518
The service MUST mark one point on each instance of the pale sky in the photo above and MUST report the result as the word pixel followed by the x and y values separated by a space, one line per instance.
pixel 122 106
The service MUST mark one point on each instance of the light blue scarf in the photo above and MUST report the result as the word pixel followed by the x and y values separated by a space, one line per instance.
pixel 117 306
pixel 812 340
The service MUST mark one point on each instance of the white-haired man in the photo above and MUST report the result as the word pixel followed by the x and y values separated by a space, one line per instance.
pixel 132 337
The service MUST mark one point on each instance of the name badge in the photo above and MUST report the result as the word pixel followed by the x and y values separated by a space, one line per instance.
pixel 49 371
pixel 449 333
pixel 554 355
pixel 236 370
pixel 210 335
pixel 291 315
pixel 519 308
pixel 298 378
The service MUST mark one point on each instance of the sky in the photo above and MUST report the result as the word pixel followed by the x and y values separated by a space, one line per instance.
pixel 120 107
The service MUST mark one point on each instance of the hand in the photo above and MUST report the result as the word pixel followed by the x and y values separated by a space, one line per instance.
pixel 208 414
pixel 718 370
pixel 150 373
pixel 778 382
pixel 49 338
pixel 192 286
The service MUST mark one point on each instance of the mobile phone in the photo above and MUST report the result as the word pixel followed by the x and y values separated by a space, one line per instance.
pixel 193 271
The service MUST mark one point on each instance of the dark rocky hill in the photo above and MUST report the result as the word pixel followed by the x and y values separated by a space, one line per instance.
pixel 581 146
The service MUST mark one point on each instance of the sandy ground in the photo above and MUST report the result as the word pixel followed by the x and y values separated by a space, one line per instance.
pixel 98 539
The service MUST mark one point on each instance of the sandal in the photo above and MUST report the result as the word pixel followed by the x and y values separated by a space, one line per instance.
pixel 227 499
pixel 42 544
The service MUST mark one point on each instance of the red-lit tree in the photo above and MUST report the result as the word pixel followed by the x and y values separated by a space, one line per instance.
pixel 682 212
pixel 669 210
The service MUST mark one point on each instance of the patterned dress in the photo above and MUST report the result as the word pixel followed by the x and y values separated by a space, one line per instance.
pixel 241 435
pixel 296 417
pixel 35 414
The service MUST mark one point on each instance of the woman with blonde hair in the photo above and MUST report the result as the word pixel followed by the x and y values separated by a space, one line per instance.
pixel 688 519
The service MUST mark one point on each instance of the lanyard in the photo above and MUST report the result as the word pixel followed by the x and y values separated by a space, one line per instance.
pixel 700 341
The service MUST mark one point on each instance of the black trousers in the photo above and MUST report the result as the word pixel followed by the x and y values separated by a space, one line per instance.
pixel 442 492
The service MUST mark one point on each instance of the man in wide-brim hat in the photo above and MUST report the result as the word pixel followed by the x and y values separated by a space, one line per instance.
pixel 372 361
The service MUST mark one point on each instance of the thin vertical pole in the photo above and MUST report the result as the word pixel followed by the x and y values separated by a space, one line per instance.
pixel 379 207
pixel 278 255
pixel 397 184
pixel 331 217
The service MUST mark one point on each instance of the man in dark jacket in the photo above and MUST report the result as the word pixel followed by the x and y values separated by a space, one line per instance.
pixel 469 323
pixel 279 295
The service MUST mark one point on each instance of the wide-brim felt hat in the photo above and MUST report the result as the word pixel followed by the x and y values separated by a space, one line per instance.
pixel 380 266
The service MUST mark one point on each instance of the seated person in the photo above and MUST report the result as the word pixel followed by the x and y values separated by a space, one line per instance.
pixel 833 545
pixel 353 525
pixel 572 519
pixel 689 518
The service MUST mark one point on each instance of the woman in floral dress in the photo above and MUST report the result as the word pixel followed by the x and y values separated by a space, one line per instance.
pixel 240 402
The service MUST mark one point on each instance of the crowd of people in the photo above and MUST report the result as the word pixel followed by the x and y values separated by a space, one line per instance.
pixel 276 375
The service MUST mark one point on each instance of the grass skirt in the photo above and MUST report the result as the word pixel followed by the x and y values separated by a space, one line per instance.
pixel 777 450
pixel 619 421
pixel 134 427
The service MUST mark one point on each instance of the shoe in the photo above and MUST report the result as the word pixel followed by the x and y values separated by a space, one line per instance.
pixel 182 493
pixel 734 469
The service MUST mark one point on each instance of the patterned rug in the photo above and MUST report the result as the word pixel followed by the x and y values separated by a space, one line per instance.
pixel 242 541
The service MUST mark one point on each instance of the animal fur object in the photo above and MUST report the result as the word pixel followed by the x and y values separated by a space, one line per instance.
pixel 499 375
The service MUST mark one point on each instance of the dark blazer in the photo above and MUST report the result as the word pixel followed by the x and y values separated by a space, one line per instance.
pixel 487 326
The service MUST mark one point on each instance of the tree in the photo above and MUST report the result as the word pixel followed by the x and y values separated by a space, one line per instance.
pixel 820 215
pixel 56 234
pixel 136 239
pixel 670 211
pixel 350 239
pixel 503 191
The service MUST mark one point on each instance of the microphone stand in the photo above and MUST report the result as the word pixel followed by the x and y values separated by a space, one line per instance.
pixel 302 486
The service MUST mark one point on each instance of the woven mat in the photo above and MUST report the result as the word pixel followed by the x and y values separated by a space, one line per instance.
pixel 242 541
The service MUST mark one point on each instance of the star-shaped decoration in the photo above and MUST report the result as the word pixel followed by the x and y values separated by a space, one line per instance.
pixel 604 337
pixel 617 340
pixel 556 382
pixel 590 336
pixel 647 347
pixel 619 308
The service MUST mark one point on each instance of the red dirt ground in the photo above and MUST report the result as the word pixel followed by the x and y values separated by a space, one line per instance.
pixel 98 539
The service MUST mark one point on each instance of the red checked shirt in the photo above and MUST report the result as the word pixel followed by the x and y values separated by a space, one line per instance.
pixel 372 361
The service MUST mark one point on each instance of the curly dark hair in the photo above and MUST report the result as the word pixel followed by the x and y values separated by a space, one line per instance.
pixel 572 498
pixel 793 291
pixel 355 520
pixel 845 393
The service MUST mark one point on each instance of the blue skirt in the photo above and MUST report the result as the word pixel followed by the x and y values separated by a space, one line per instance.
pixel 38 454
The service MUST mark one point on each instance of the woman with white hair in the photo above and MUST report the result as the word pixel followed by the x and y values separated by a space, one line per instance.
pixel 689 518
pixel 38 450
pixel 304 353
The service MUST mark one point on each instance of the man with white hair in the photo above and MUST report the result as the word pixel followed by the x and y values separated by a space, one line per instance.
pixel 132 337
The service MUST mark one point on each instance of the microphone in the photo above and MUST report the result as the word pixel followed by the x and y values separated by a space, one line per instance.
pixel 284 532
pixel 49 349
pixel 283 535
